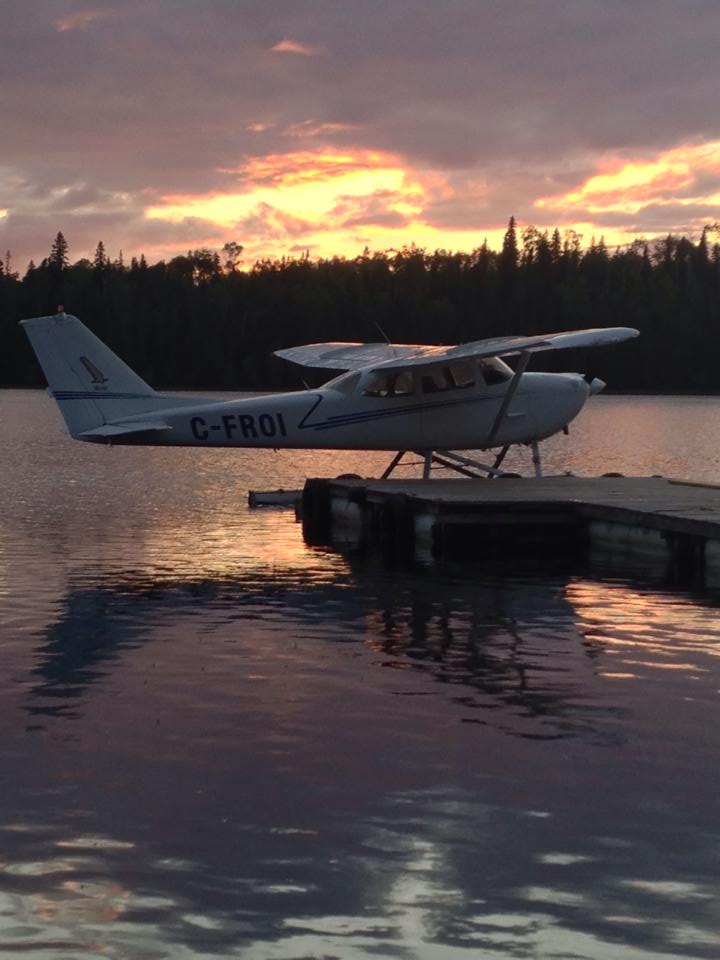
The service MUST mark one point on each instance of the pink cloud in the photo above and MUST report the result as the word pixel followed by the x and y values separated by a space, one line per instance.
pixel 81 20
pixel 287 45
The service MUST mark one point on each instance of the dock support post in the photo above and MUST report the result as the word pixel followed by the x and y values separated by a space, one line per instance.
pixel 537 463
pixel 397 526
pixel 687 558
pixel 316 511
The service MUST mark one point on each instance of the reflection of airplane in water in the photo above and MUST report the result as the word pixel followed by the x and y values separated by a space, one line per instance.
pixel 479 639
pixel 400 397
pixel 247 818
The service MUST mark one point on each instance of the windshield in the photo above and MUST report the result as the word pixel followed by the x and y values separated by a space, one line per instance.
pixel 495 370
pixel 345 383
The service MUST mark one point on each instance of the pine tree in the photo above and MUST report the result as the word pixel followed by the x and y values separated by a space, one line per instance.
pixel 509 253
pixel 59 253
pixel 100 261
pixel 702 253
pixel 556 246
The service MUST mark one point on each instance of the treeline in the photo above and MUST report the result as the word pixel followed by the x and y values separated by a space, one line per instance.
pixel 204 321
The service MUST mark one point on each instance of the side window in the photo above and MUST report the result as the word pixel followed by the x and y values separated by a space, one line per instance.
pixel 433 381
pixel 390 385
pixel 463 374
pixel 377 386
pixel 403 385
pixel 454 377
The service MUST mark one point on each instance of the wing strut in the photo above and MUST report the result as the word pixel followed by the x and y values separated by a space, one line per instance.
pixel 510 393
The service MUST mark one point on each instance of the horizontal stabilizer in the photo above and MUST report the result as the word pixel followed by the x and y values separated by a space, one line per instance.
pixel 110 430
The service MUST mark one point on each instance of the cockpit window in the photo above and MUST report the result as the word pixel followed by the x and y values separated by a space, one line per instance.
pixel 494 370
pixel 455 376
pixel 390 385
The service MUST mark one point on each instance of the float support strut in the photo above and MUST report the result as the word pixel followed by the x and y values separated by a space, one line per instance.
pixel 393 463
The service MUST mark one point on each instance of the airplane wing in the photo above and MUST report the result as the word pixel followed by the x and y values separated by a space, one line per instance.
pixel 353 356
pixel 347 356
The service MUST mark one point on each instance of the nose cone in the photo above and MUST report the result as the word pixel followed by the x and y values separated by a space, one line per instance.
pixel 596 385
pixel 577 387
pixel 559 399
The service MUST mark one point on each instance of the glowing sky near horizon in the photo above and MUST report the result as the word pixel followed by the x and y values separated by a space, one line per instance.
pixel 305 127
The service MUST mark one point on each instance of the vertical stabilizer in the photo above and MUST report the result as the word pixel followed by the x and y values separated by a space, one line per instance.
pixel 92 386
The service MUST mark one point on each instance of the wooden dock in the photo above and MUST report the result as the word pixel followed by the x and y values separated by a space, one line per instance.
pixel 650 519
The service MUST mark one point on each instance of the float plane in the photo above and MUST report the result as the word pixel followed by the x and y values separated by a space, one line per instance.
pixel 432 400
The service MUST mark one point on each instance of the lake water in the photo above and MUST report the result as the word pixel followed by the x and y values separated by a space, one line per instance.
pixel 216 741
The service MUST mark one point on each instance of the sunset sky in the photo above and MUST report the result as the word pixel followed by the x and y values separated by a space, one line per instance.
pixel 328 126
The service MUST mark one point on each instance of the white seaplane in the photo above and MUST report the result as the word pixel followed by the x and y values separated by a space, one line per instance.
pixel 432 400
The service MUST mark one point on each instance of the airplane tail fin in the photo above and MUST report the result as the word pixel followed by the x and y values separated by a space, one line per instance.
pixel 92 386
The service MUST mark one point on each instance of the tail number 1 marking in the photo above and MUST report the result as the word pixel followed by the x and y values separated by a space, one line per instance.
pixel 245 426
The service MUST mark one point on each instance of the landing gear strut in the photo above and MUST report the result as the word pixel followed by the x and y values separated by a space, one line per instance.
pixel 537 463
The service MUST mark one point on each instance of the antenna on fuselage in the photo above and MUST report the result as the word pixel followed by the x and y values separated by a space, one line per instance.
pixel 385 337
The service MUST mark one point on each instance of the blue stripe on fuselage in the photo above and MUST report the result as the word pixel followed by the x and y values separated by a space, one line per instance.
pixel 350 419
pixel 101 395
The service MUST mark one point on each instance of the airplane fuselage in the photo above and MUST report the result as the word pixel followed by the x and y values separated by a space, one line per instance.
pixel 341 416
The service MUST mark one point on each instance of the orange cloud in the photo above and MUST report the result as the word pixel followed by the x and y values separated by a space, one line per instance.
pixel 687 175
pixel 81 19
pixel 305 184
pixel 331 201
pixel 284 170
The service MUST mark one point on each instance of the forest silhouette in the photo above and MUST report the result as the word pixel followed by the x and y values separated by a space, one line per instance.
pixel 205 320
